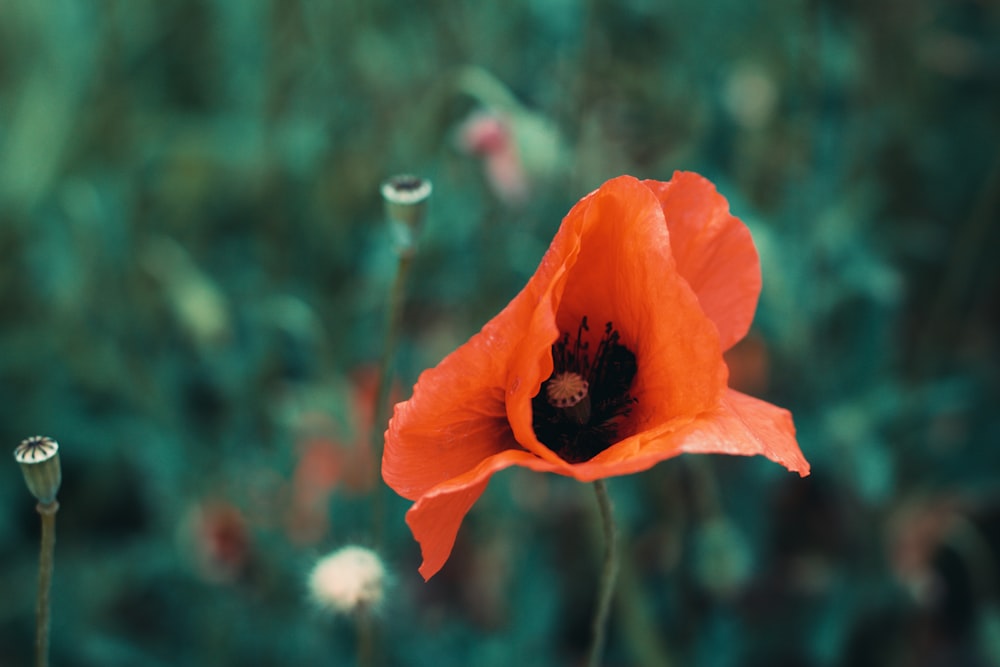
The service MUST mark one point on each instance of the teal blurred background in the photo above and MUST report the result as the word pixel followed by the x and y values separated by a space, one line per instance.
pixel 194 267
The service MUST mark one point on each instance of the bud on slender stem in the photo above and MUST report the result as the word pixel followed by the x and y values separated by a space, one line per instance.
pixel 38 457
pixel 405 199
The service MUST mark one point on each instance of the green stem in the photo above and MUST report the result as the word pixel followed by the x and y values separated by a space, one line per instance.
pixel 48 513
pixel 367 630
pixel 366 640
pixel 393 317
pixel 608 575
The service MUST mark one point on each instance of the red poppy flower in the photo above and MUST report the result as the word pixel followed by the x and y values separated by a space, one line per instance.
pixel 607 362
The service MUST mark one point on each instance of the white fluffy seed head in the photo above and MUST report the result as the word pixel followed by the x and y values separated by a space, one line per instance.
pixel 350 580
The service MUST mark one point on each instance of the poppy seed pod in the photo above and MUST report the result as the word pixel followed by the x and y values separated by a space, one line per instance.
pixel 39 459
pixel 405 199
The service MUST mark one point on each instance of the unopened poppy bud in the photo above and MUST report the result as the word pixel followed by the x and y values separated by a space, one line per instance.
pixel 406 206
pixel 350 580
pixel 39 459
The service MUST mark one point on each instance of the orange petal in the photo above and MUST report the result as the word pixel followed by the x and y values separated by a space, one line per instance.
pixel 434 519
pixel 624 274
pixel 742 425
pixel 713 250
pixel 454 420
pixel 457 417
pixel 748 426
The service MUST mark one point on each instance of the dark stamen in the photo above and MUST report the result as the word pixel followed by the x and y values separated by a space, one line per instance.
pixel 578 429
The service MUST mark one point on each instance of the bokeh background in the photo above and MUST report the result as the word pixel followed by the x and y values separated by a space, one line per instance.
pixel 194 267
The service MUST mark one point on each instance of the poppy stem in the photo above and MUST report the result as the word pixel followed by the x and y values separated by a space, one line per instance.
pixel 609 574
pixel 48 513
pixel 405 199
pixel 394 309
pixel 366 630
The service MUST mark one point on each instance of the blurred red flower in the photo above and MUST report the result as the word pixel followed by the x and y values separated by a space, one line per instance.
pixel 607 362
pixel 219 541
pixel 332 461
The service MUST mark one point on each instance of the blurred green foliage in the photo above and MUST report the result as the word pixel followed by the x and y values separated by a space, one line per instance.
pixel 193 266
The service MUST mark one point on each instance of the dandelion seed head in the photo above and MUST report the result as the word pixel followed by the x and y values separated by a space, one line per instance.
pixel 350 580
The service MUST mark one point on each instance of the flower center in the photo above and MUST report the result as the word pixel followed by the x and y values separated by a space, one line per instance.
pixel 579 411
pixel 571 393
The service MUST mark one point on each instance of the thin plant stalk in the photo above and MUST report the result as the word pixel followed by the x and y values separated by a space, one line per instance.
pixel 405 197
pixel 609 574
pixel 367 641
pixel 38 457
pixel 394 312
pixel 47 511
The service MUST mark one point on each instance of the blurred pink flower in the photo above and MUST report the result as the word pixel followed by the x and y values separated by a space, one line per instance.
pixel 490 135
